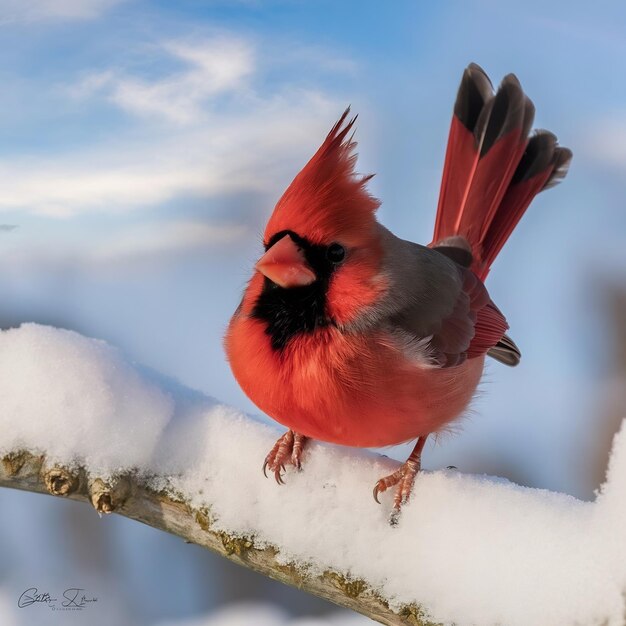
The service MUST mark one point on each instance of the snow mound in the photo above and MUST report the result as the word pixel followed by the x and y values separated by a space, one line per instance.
pixel 469 549
pixel 77 398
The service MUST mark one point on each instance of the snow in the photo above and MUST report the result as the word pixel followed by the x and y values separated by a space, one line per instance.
pixel 77 398
pixel 470 549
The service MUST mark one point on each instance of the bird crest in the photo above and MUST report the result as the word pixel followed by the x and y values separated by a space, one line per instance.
pixel 327 201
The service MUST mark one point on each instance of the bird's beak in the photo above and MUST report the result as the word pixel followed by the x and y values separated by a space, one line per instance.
pixel 285 265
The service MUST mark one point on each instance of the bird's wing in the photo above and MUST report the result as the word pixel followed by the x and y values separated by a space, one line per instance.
pixel 436 307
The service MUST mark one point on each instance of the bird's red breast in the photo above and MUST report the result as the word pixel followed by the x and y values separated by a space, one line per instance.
pixel 353 389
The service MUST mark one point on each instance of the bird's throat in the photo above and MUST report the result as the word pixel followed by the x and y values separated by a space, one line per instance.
pixel 291 312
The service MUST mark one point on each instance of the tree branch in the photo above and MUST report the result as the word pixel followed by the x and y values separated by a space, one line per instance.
pixel 128 495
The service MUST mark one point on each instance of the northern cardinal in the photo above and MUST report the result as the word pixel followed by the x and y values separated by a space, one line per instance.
pixel 350 335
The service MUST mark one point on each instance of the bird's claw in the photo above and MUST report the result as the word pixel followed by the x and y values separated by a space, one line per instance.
pixel 404 477
pixel 378 488
pixel 288 449
pixel 278 475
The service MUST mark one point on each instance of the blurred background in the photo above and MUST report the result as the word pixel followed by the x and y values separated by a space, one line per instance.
pixel 142 148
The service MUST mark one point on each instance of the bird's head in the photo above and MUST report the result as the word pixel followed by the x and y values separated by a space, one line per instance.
pixel 322 241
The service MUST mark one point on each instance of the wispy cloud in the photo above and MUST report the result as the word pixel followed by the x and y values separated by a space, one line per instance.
pixel 229 154
pixel 152 240
pixel 37 10
pixel 211 68
pixel 209 127
pixel 160 238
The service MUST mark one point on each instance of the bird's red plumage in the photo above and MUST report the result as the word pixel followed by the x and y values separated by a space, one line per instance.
pixel 359 372
pixel 350 389
pixel 327 200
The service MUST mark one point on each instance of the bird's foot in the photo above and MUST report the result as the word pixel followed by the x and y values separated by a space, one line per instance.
pixel 404 478
pixel 288 449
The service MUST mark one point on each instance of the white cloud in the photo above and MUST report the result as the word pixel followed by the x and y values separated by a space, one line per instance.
pixel 150 241
pixel 221 63
pixel 207 127
pixel 246 152
pixel 212 68
pixel 37 10
pixel 167 238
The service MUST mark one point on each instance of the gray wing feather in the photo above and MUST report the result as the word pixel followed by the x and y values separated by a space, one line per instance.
pixel 426 300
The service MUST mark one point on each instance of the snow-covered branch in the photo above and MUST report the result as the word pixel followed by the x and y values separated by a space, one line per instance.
pixel 77 420
pixel 132 497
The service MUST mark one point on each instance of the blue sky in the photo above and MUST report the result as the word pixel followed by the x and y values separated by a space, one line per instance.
pixel 143 145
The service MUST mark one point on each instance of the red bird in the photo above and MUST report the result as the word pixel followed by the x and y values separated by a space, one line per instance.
pixel 350 335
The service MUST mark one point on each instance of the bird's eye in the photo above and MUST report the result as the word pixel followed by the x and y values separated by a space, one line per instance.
pixel 335 253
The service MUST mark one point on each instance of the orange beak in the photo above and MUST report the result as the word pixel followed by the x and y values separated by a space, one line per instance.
pixel 285 265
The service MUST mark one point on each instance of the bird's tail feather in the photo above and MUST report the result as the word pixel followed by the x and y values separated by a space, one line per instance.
pixel 492 169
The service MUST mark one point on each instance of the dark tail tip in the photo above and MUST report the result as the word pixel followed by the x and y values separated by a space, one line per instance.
pixel 475 90
pixel 562 160
pixel 508 110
